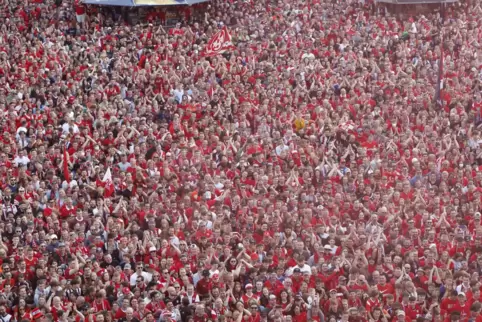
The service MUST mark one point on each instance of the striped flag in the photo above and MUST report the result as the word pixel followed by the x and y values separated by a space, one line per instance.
pixel 36 314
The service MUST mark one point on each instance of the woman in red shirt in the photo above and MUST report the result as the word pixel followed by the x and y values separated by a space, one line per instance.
pixel 299 316
pixel 57 306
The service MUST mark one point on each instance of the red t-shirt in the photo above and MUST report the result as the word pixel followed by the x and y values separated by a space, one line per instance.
pixel 79 8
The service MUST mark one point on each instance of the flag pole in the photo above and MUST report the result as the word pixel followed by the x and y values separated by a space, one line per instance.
pixel 440 80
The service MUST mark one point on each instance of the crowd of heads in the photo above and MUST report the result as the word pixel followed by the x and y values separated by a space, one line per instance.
pixel 315 172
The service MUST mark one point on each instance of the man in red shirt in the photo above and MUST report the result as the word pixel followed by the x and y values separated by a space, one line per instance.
pixel 384 288
pixel 413 310
pixel 204 286
pixel 68 209
pixel 372 302
pixel 447 305
pixel 462 306
pixel 401 317
pixel 273 283
pixel 80 12
pixel 475 312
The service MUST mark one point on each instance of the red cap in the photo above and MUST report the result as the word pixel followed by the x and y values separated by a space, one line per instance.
pixel 126 290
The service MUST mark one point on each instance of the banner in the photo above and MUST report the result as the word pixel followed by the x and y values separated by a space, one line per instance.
pixel 133 3
pixel 166 2
pixel 219 43
pixel 121 3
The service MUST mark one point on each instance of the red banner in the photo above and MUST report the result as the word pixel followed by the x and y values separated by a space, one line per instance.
pixel 219 43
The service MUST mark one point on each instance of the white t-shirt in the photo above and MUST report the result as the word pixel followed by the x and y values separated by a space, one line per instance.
pixel 147 278
pixel 66 126
pixel 305 268
pixel 23 160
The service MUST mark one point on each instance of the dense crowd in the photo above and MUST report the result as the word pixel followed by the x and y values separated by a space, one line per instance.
pixel 313 173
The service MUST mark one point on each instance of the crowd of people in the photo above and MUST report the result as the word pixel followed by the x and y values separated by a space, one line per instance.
pixel 312 173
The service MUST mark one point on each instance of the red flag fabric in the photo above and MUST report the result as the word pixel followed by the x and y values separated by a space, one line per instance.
pixel 219 43
pixel 36 314
pixel 211 92
pixel 66 166
pixel 347 126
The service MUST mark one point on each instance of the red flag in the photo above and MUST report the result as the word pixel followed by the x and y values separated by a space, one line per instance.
pixel 347 126
pixel 219 43
pixel 66 166
pixel 211 92
pixel 36 314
